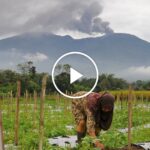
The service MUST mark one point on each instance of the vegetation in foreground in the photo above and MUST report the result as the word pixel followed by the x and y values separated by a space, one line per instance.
pixel 57 114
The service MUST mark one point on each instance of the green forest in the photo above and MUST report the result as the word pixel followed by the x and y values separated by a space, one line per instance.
pixel 31 80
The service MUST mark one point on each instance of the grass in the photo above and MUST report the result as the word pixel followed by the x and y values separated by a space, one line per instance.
pixel 57 114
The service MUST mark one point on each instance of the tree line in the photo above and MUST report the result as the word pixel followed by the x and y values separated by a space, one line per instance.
pixel 31 80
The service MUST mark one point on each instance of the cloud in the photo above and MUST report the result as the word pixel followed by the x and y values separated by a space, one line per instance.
pixel 143 70
pixel 129 16
pixel 37 57
pixel 10 59
pixel 135 73
pixel 77 17
pixel 20 16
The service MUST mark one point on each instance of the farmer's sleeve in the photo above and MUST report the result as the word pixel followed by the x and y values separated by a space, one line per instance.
pixel 90 121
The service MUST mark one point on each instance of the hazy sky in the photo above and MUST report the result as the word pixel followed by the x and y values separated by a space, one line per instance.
pixel 78 18
pixel 75 17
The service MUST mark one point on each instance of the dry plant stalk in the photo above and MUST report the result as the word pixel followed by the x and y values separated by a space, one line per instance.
pixel 17 112
pixel 26 101
pixel 1 133
pixel 8 104
pixel 129 117
pixel 11 100
pixel 35 107
pixel 41 128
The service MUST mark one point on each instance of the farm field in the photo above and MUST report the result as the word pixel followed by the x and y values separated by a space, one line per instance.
pixel 58 121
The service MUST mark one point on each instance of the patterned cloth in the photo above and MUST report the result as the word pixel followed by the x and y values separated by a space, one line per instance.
pixel 81 110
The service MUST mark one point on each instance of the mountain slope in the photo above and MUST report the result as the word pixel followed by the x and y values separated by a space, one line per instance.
pixel 112 52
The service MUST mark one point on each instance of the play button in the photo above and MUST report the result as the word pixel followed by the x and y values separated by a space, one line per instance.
pixel 74 75
pixel 75 72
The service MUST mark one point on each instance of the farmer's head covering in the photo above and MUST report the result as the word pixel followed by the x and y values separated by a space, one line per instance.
pixel 104 119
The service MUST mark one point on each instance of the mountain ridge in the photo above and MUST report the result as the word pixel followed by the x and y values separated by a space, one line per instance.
pixel 112 53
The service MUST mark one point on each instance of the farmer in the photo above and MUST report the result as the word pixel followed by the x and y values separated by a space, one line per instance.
pixel 92 113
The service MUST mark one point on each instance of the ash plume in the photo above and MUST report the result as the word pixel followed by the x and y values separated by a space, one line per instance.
pixel 90 20
pixel 52 16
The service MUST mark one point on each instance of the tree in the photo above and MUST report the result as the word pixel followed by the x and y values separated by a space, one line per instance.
pixel 62 68
pixel 27 68
pixel 63 82
pixel 58 68
pixel 66 68
pixel 33 86
pixel 32 71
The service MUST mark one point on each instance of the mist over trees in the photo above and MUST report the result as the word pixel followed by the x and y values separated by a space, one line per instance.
pixel 31 80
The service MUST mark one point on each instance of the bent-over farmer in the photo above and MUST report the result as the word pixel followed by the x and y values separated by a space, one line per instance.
pixel 92 113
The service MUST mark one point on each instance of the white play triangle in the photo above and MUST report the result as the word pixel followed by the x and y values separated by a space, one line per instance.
pixel 74 75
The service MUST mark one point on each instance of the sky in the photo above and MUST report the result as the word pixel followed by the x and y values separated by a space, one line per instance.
pixel 75 17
